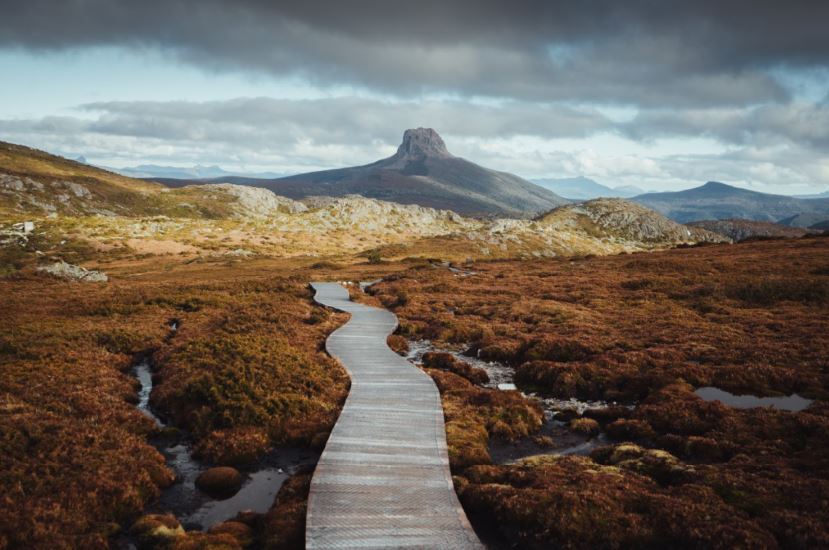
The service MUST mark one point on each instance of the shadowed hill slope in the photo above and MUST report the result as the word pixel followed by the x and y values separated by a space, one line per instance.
pixel 35 183
pixel 719 201
pixel 740 230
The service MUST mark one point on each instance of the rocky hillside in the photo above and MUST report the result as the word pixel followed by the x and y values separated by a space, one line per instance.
pixel 718 201
pixel 740 230
pixel 600 226
pixel 34 183
pixel 623 220
pixel 422 172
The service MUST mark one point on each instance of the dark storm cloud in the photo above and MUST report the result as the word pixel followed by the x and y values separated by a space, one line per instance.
pixel 635 52
pixel 805 124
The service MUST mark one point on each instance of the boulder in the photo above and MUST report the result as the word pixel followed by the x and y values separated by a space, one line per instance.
pixel 220 482
pixel 657 464
pixel 630 429
pixel 236 529
pixel 584 426
pixel 70 272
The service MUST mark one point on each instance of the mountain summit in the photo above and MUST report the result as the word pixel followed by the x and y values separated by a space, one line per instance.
pixel 421 142
pixel 421 172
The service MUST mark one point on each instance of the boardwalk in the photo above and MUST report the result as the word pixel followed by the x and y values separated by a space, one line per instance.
pixel 383 480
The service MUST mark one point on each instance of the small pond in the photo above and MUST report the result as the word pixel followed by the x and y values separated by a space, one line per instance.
pixel 791 403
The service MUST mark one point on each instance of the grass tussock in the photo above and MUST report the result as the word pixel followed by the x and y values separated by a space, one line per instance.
pixel 284 526
pixel 768 291
pixel 574 502
pixel 474 415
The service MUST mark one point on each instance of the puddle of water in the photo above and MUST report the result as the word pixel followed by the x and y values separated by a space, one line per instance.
pixel 257 494
pixel 564 442
pixel 501 377
pixel 584 449
pixel 462 272
pixel 793 403
pixel 557 404
pixel 453 269
pixel 195 509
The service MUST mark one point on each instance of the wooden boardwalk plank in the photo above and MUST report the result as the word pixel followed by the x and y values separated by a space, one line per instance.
pixel 383 480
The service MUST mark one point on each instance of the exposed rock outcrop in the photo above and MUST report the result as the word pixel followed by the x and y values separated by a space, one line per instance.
pixel 625 220
pixel 419 143
pixel 255 201
pixel 373 215
pixel 71 272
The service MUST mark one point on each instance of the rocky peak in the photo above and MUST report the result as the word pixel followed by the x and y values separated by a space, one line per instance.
pixel 422 142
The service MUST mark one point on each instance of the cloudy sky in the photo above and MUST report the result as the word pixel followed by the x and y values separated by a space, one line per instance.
pixel 658 94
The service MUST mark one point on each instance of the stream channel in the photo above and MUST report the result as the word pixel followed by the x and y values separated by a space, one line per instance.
pixel 564 441
pixel 195 509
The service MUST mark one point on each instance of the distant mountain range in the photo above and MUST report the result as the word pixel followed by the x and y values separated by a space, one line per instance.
pixel 422 172
pixel 581 188
pixel 152 171
pixel 823 195
pixel 718 201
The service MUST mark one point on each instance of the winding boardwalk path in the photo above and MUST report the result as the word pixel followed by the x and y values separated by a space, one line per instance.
pixel 383 479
